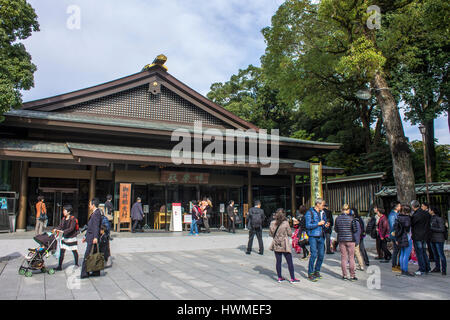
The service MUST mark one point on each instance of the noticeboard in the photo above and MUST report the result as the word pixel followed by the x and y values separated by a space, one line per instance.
pixel 175 218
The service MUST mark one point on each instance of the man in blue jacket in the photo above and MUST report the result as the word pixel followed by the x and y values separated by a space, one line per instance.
pixel 316 222
pixel 396 207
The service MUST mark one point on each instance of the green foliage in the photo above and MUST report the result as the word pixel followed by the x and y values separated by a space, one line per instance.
pixel 442 162
pixel 17 21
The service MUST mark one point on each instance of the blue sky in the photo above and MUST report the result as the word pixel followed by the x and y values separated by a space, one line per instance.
pixel 206 41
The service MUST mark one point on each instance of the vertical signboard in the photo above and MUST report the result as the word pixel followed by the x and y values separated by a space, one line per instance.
pixel 125 203
pixel 175 219
pixel 316 182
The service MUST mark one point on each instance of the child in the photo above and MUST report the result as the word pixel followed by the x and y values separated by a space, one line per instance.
pixel 295 236
pixel 104 242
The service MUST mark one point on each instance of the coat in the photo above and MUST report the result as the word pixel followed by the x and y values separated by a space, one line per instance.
pixel 437 229
pixel 94 223
pixel 420 223
pixel 343 228
pixel 252 213
pixel 383 227
pixel 312 219
pixel 330 220
pixel 136 211
pixel 402 227
pixel 280 242
pixel 68 227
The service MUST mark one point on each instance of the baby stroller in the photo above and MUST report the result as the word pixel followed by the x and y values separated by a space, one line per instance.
pixel 35 258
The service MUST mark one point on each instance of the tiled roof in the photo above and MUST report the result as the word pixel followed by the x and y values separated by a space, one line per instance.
pixel 433 188
pixel 131 123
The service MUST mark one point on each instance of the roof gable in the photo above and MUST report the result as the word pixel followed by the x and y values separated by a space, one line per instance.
pixel 152 94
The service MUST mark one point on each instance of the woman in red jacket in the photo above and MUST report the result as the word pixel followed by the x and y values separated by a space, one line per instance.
pixel 383 231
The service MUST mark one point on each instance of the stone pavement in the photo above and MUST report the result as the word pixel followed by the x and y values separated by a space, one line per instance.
pixel 210 266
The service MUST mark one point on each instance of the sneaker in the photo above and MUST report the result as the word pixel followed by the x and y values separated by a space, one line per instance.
pixel 295 280
pixel 281 280
pixel 247 252
pixel 360 269
pixel 396 269
pixel 59 268
pixel 312 278
pixel 353 279
pixel 317 275
pixel 408 274
pixel 435 270
pixel 418 273
pixel 344 278
pixel 304 258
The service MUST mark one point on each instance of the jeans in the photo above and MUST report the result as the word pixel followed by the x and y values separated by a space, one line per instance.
pixel 405 252
pixel 395 254
pixel 288 257
pixel 422 258
pixel 194 227
pixel 317 247
pixel 347 249
pixel 439 255
pixel 258 232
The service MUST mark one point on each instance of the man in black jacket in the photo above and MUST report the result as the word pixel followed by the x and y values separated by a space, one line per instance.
pixel 231 217
pixel 92 234
pixel 420 225
pixel 328 230
pixel 255 221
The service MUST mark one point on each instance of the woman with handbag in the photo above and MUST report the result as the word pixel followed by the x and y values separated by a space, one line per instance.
pixel 68 227
pixel 281 232
pixel 41 215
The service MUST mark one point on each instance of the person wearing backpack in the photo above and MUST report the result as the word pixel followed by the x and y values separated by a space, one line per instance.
pixel 316 222
pixel 255 222
pixel 402 234
pixel 69 228
pixel 439 233
pixel 105 237
pixel 345 229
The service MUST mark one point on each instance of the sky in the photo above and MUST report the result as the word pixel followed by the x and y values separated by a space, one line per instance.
pixel 205 41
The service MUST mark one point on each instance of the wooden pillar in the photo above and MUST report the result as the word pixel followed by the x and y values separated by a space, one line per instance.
pixel 92 183
pixel 249 189
pixel 23 199
pixel 293 200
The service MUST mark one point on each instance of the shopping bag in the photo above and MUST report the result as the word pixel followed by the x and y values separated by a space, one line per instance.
pixel 95 261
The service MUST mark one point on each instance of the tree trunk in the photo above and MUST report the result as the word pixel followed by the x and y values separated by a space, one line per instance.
pixel 377 135
pixel 365 119
pixel 431 151
pixel 401 160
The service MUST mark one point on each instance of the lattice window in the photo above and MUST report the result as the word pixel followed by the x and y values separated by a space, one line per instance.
pixel 139 103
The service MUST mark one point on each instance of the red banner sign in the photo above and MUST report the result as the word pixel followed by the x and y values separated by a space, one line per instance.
pixel 125 203
pixel 179 177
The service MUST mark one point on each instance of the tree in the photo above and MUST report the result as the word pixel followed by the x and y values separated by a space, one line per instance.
pixel 17 21
pixel 312 45
pixel 249 96
pixel 419 63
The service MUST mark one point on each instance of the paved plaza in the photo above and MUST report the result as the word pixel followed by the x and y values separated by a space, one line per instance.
pixel 210 266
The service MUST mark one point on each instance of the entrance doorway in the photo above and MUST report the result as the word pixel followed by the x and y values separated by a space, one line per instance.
pixel 55 199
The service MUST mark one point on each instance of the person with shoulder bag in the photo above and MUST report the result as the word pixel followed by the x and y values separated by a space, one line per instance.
pixel 281 232
pixel 403 237
pixel 92 238
pixel 303 235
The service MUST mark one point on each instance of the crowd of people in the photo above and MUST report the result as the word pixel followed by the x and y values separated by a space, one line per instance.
pixel 408 230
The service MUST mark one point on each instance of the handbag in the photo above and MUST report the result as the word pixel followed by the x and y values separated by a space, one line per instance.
pixel 272 244
pixel 237 220
pixel 95 261
pixel 43 217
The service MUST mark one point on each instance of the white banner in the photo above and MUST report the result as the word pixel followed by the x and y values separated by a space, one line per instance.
pixel 175 219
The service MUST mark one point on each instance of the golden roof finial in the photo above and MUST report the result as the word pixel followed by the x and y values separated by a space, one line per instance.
pixel 159 61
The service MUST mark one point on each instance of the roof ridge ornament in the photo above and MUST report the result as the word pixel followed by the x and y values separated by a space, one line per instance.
pixel 158 61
